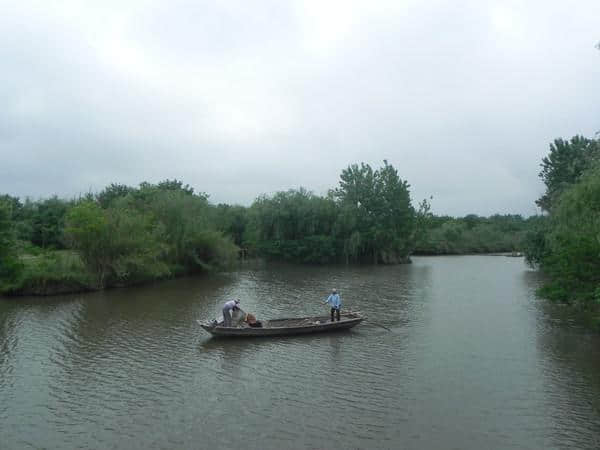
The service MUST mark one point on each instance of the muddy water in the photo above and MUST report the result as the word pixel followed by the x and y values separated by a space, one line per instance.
pixel 473 360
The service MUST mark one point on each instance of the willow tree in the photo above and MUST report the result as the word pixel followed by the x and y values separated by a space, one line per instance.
pixel 293 225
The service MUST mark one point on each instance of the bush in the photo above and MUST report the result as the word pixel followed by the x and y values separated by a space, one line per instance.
pixel 52 272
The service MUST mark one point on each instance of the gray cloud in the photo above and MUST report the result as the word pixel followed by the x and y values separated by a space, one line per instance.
pixel 243 98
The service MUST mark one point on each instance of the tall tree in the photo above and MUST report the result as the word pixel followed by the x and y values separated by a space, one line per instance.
pixel 10 266
pixel 564 165
pixel 48 223
pixel 573 259
pixel 232 220
pixel 87 231
pixel 377 205
pixel 113 192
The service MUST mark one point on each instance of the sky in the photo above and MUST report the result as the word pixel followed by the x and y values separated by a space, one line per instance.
pixel 239 98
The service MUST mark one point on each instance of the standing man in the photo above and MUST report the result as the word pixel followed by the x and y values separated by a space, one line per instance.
pixel 228 307
pixel 336 304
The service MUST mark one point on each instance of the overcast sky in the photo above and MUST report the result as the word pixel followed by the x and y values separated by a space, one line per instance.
pixel 242 98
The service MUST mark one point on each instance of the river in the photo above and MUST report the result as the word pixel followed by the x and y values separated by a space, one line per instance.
pixel 471 360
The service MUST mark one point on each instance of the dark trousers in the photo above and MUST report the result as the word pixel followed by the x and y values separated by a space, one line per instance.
pixel 337 312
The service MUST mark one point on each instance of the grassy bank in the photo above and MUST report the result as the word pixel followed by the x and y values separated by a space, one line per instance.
pixel 50 273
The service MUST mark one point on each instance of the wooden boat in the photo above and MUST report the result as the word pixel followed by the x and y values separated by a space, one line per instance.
pixel 283 327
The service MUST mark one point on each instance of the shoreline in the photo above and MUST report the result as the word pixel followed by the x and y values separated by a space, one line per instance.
pixel 52 288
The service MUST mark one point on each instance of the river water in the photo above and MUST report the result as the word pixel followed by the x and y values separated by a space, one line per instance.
pixel 471 360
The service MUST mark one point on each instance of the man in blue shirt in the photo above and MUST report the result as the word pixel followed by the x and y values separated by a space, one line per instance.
pixel 336 304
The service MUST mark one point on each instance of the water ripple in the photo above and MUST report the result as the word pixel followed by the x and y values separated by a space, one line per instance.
pixel 472 360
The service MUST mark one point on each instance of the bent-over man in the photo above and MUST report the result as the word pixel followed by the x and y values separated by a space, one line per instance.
pixel 228 307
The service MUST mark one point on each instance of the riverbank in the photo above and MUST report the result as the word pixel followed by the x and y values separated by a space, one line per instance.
pixel 58 272
pixel 61 272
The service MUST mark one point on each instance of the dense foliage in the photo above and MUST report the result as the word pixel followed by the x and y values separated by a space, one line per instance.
pixel 378 220
pixel 564 166
pixel 125 235
pixel 122 235
pixel 295 226
pixel 368 218
pixel 10 267
pixel 566 244
pixel 475 234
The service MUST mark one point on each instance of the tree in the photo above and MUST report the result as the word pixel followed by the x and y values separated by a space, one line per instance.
pixel 294 225
pixel 117 245
pixel 535 244
pixel 176 185
pixel 10 267
pixel 111 193
pixel 182 216
pixel 573 241
pixel 232 220
pixel 564 165
pixel 13 203
pixel 566 243
pixel 48 223
pixel 88 232
pixel 423 221
pixel 396 216
pixel 377 205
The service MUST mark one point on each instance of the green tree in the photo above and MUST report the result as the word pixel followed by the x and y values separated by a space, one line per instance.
pixel 111 193
pixel 41 222
pixel 182 216
pixel 232 221
pixel 88 232
pixel 13 203
pixel 10 267
pixel 376 204
pixel 190 234
pixel 178 186
pixel 566 243
pixel 573 242
pixel 563 166
pixel 535 243
pixel 473 234
pixel 118 245
pixel 294 225
pixel 48 223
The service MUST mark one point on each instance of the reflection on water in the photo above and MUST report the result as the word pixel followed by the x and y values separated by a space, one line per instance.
pixel 456 353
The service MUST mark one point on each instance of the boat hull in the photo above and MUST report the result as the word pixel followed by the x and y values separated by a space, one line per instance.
pixel 287 327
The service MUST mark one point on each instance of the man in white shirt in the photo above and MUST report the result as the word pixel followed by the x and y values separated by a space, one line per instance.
pixel 228 307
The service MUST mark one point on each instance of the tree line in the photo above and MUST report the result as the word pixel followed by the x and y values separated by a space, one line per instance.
pixel 368 218
pixel 125 235
pixel 473 234
pixel 120 236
